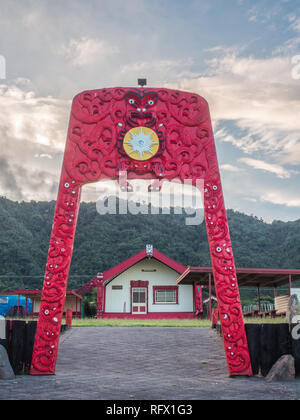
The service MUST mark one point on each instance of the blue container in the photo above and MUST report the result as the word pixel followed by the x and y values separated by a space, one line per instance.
pixel 7 302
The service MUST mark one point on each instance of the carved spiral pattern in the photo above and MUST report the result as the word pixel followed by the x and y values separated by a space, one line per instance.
pixel 99 120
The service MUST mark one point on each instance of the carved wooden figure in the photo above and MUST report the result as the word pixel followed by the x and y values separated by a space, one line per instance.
pixel 126 133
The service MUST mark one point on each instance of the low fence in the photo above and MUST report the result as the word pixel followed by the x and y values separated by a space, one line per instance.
pixel 18 341
pixel 263 307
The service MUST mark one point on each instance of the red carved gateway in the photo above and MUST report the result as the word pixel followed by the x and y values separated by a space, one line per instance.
pixel 127 133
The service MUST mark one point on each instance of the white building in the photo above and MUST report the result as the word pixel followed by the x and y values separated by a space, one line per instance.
pixel 145 286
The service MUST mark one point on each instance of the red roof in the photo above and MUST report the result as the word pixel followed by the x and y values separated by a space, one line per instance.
pixel 118 269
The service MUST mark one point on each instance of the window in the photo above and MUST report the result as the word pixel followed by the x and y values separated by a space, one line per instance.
pixel 138 295
pixel 165 294
pixel 117 287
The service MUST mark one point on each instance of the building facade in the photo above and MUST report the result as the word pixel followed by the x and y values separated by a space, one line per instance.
pixel 148 289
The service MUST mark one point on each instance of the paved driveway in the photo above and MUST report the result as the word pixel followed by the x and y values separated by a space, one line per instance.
pixel 149 363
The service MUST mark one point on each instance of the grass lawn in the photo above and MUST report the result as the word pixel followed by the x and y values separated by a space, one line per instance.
pixel 92 322
pixel 115 322
pixel 277 320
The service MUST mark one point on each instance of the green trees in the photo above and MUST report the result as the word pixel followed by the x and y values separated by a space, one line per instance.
pixel 104 241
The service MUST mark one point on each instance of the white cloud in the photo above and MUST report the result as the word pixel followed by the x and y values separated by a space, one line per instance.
pixel 164 69
pixel 277 197
pixel 251 199
pixel 278 170
pixel 43 155
pixel 259 96
pixel 229 167
pixel 40 120
pixel 32 139
pixel 31 18
pixel 295 24
pixel 289 47
pixel 250 89
pixel 84 51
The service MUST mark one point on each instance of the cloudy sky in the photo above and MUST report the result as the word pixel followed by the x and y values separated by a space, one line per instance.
pixel 241 55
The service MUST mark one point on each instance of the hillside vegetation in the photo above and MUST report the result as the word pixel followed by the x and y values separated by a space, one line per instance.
pixel 104 241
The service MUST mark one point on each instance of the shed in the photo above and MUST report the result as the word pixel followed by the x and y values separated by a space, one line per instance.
pixel 73 301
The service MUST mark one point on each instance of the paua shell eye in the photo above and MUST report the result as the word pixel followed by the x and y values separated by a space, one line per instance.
pixel 131 101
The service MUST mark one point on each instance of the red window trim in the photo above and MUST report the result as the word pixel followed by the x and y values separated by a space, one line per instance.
pixel 139 283
pixel 165 288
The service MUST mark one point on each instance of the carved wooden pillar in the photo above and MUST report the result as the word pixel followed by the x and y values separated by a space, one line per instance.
pixel 56 277
pixel 100 299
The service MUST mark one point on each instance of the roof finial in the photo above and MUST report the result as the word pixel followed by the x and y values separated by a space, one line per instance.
pixel 149 250
pixel 142 82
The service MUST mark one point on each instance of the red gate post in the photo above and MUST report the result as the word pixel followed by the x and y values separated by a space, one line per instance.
pixel 159 134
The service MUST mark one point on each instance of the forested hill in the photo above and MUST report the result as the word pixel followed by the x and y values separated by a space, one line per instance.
pixel 104 241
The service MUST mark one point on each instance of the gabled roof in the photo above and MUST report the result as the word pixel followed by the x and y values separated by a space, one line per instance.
pixel 113 272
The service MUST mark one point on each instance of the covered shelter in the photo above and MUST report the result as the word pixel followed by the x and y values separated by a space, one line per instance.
pixel 249 277
pixel 73 301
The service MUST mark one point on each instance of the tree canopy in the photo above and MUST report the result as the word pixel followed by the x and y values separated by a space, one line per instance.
pixel 103 241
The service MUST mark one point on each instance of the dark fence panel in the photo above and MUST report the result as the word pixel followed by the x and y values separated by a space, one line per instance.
pixel 275 342
pixel 284 339
pixel 29 342
pixel 19 343
pixel 253 332
pixel 17 346
pixel 267 343
pixel 269 347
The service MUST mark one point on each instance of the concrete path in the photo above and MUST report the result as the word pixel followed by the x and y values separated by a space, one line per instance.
pixel 150 363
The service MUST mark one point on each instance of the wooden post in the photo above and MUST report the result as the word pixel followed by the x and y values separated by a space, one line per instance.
pixel 69 314
pixel 258 298
pixel 290 284
pixel 209 292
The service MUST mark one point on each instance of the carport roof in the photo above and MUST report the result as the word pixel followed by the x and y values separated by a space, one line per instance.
pixel 262 277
